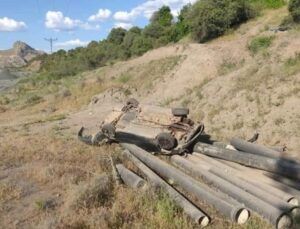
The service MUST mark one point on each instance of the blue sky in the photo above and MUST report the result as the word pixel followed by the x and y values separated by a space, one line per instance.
pixel 72 22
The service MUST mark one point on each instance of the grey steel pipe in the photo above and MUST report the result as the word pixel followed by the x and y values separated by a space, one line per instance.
pixel 280 166
pixel 130 178
pixel 282 195
pixel 284 188
pixel 253 148
pixel 275 212
pixel 236 213
pixel 202 158
pixel 268 194
pixel 191 210
pixel 292 183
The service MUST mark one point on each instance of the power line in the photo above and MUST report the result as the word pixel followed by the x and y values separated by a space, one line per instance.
pixel 51 40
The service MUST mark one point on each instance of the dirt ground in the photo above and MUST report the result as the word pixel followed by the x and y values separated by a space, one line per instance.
pixel 50 180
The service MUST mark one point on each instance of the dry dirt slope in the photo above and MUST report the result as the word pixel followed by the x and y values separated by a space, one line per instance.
pixel 234 91
pixel 49 180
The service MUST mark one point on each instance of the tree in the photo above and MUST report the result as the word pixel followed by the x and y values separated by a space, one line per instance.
pixel 210 19
pixel 141 44
pixel 163 16
pixel 294 9
pixel 154 30
pixel 116 35
pixel 130 36
pixel 182 26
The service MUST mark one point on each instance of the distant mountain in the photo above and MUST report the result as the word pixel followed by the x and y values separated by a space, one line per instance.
pixel 17 56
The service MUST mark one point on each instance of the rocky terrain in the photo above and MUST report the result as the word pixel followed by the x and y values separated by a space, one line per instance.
pixel 12 59
pixel 18 55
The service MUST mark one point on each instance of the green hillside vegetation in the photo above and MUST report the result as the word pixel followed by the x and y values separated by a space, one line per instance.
pixel 202 21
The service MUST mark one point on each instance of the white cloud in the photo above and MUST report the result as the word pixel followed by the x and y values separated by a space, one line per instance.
pixel 71 43
pixel 123 25
pixel 147 8
pixel 57 21
pixel 101 15
pixel 11 25
pixel 124 16
pixel 88 26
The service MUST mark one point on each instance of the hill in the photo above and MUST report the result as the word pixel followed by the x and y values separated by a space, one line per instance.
pixel 18 56
pixel 245 81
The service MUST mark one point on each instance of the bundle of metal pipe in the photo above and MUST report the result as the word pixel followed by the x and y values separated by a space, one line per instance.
pixel 267 181
pixel 270 207
pixel 283 167
pixel 227 206
pixel 284 180
pixel 222 170
pixel 130 178
pixel 191 210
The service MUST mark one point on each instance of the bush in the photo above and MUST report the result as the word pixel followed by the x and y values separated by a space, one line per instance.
pixel 294 8
pixel 211 19
pixel 260 43
pixel 268 4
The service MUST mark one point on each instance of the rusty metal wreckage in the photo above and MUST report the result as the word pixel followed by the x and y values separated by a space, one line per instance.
pixel 216 173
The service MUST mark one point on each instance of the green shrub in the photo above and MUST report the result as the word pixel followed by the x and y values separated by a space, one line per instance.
pixel 210 19
pixel 267 4
pixel 294 8
pixel 260 43
pixel 124 78
pixel 162 17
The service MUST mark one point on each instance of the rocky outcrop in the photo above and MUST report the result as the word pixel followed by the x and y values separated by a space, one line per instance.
pixel 17 56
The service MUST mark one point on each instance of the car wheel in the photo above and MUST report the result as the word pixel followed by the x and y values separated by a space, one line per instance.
pixel 132 102
pixel 180 111
pixel 109 130
pixel 166 141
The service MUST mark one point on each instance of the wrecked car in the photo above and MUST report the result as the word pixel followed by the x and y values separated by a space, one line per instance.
pixel 154 128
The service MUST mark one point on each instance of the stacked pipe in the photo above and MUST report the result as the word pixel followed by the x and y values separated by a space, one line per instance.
pixel 242 165
pixel 219 178
pixel 191 210
pixel 282 166
pixel 229 207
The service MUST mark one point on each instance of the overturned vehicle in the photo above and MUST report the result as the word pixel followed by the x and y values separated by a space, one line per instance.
pixel 156 129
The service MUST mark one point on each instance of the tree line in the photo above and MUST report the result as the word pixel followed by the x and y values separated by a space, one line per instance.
pixel 203 21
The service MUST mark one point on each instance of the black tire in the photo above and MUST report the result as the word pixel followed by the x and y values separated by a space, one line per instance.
pixel 254 138
pixel 87 139
pixel 132 102
pixel 180 111
pixel 109 130
pixel 166 141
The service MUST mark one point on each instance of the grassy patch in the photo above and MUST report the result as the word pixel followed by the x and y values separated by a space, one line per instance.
pixel 53 118
pixel 98 192
pixel 292 64
pixel 260 43
pixel 267 4
pixel 228 66
pixel 124 78
pixel 33 99
pixel 42 204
